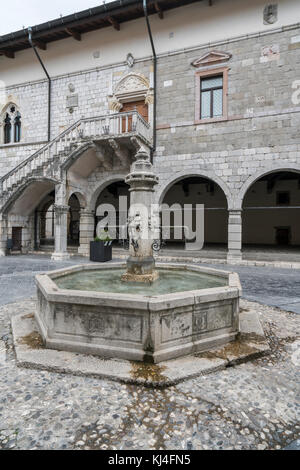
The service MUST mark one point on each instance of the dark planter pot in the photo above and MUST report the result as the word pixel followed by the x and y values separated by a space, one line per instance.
pixel 100 251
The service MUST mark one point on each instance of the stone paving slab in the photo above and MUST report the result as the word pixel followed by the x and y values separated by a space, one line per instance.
pixel 252 406
pixel 2 352
pixel 30 353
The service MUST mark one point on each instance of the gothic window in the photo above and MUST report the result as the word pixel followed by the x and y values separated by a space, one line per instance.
pixel 12 125
pixel 17 132
pixel 7 129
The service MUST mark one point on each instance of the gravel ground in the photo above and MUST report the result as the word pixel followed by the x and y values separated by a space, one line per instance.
pixel 250 406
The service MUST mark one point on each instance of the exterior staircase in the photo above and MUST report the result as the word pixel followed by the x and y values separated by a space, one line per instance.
pixel 46 161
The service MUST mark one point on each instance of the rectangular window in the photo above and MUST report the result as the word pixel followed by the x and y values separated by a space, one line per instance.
pixel 211 97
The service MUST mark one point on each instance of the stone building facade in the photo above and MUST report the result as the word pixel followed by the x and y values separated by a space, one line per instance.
pixel 241 159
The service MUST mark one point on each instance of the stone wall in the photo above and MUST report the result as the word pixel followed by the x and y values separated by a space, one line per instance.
pixel 262 130
pixel 261 133
pixel 90 91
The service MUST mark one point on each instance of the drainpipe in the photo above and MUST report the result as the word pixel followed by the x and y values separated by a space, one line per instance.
pixel 154 77
pixel 48 78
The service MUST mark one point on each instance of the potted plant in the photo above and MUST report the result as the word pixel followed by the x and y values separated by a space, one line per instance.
pixel 101 248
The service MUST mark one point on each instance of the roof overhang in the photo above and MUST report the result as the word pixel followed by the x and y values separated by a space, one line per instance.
pixel 111 15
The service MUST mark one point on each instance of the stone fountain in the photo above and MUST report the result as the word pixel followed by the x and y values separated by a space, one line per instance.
pixel 141 179
pixel 147 312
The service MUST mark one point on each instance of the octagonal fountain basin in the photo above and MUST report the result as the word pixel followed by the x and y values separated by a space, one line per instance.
pixel 88 309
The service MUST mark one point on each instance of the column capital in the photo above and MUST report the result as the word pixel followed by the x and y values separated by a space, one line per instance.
pixel 61 209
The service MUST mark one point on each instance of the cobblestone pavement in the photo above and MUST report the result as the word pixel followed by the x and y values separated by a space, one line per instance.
pixel 271 286
pixel 17 274
pixel 250 406
pixel 276 287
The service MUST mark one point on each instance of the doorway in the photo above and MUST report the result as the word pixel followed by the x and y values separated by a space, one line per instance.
pixel 140 106
pixel 16 238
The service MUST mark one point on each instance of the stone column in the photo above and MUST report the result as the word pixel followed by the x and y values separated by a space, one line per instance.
pixel 3 234
pixel 234 254
pixel 141 179
pixel 61 232
pixel 87 227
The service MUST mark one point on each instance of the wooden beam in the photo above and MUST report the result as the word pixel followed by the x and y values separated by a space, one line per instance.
pixel 74 34
pixel 159 10
pixel 114 23
pixel 8 54
pixel 40 45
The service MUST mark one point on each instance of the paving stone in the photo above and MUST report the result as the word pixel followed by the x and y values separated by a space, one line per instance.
pixel 249 406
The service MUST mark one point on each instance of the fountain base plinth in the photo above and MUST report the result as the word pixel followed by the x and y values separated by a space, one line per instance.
pixel 86 309
pixel 144 278
pixel 140 270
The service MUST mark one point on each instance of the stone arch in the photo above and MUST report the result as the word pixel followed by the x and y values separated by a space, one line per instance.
pixel 11 101
pixel 191 188
pixel 110 179
pixel 76 154
pixel 162 191
pixel 238 200
pixel 44 220
pixel 20 190
pixel 81 198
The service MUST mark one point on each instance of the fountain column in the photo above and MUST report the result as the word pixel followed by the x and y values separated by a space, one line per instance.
pixel 3 234
pixel 141 179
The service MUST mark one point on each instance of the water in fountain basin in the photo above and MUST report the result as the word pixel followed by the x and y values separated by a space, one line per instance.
pixel 110 281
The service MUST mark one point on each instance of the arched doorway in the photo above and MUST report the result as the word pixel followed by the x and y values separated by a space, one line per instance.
pixel 73 221
pixel 271 213
pixel 199 190
pixel 29 214
pixel 45 222
pixel 113 204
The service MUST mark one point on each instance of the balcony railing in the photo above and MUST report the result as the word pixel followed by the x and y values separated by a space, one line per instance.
pixel 94 128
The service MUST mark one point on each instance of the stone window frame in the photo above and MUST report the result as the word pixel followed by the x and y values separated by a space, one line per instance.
pixel 14 115
pixel 205 74
pixel 133 86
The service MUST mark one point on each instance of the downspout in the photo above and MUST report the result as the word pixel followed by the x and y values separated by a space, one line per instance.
pixel 48 78
pixel 154 77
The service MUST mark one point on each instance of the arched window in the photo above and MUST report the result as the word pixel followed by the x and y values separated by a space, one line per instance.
pixel 7 129
pixel 12 125
pixel 17 127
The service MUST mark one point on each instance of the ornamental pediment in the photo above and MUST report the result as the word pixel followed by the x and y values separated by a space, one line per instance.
pixel 130 83
pixel 211 58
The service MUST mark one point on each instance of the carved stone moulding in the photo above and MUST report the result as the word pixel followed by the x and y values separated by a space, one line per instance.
pixel 132 87
pixel 211 58
pixel 134 326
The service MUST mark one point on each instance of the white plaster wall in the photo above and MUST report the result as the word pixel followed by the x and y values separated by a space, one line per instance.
pixel 192 25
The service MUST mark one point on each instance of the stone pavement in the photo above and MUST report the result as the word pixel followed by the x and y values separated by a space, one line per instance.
pixel 250 406
pixel 267 285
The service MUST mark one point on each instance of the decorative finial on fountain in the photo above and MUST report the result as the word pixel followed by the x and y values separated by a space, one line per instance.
pixel 141 179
